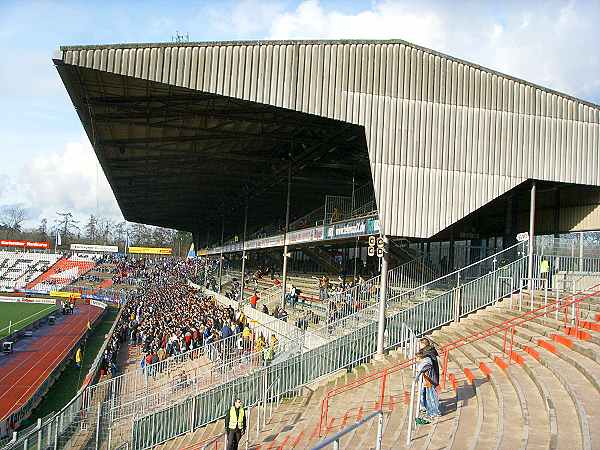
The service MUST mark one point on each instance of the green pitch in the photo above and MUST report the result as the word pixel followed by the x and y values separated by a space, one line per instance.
pixel 19 315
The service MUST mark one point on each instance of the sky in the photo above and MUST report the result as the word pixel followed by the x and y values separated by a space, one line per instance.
pixel 46 161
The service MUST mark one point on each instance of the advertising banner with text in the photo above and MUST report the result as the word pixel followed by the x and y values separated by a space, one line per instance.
pixel 151 250
pixel 25 244
pixel 95 248
pixel 346 229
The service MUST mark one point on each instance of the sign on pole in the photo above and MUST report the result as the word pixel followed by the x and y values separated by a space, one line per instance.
pixel 376 246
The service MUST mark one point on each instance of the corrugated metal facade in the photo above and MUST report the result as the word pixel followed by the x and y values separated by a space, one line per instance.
pixel 444 136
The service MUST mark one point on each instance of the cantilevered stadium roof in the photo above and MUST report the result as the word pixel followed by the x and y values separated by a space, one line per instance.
pixel 185 132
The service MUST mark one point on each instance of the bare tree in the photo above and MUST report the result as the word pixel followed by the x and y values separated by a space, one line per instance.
pixel 119 232
pixel 67 225
pixel 91 231
pixel 139 234
pixel 12 218
pixel 42 229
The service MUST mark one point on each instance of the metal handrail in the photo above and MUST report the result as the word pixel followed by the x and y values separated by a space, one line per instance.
pixel 473 337
pixel 463 269
pixel 335 439
pixel 210 442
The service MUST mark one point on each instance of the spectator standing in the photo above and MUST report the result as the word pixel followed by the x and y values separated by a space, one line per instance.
pixel 78 358
pixel 428 376
pixel 254 300
pixel 235 424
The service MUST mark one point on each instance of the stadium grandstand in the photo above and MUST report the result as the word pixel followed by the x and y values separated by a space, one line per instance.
pixel 19 269
pixel 347 199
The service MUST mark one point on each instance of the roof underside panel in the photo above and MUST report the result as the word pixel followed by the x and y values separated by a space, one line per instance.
pixel 444 136
pixel 187 159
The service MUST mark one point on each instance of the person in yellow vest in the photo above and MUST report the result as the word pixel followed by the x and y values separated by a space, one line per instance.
pixel 235 424
pixel 544 268
pixel 78 358
pixel 259 349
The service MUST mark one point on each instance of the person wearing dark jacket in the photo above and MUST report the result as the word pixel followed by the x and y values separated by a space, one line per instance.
pixel 428 377
pixel 235 424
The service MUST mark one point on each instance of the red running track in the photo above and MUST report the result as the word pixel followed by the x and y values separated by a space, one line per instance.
pixel 24 371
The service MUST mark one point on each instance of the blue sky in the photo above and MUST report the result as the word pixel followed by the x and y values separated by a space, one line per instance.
pixel 46 163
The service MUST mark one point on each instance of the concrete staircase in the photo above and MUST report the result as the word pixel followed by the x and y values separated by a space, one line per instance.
pixel 546 396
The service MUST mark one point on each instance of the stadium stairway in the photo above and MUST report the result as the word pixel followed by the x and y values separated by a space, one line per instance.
pixel 545 396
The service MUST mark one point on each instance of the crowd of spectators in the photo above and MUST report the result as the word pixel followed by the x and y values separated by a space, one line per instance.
pixel 166 316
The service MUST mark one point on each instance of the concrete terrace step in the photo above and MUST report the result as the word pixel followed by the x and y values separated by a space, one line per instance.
pixel 488 429
pixel 573 371
pixel 525 417
pixel 557 403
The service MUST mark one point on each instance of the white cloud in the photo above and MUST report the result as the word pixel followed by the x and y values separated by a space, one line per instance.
pixel 383 21
pixel 243 20
pixel 550 43
pixel 67 179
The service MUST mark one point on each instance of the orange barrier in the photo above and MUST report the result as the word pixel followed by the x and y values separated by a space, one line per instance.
pixel 469 375
pixel 485 369
pixel 507 327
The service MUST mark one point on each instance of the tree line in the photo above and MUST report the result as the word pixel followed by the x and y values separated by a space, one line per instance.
pixel 95 230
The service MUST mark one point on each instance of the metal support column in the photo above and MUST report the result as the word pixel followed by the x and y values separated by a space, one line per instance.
pixel 382 297
pixel 451 249
pixel 221 254
pixel 287 226
pixel 531 238
pixel 243 281
pixel 581 252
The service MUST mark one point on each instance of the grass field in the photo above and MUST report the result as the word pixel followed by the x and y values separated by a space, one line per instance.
pixel 15 316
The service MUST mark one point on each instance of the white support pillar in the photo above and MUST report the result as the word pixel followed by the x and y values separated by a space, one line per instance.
pixel 287 226
pixel 530 272
pixel 581 252
pixel 382 297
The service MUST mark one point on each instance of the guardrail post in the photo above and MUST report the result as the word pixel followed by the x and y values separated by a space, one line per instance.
pixel 193 413
pixel 410 413
pixel 98 425
pixel 382 393
pixel 56 433
pixel 257 419
pixel 456 295
pixel 445 369
pixel 379 431
pixel 39 436
pixel 248 412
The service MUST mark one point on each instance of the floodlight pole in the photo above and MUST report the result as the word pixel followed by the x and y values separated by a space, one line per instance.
pixel 243 282
pixel 287 225
pixel 382 297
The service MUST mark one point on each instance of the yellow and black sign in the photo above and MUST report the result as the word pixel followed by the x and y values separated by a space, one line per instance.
pixel 65 294
pixel 151 250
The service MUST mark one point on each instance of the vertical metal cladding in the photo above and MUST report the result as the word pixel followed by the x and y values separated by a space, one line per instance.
pixel 444 136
